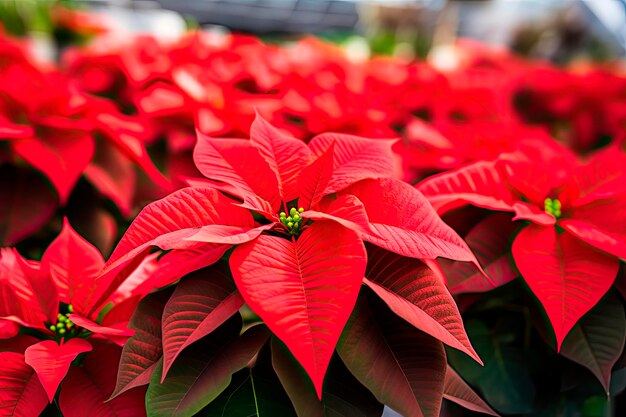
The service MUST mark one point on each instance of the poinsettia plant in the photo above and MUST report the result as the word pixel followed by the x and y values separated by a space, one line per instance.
pixel 564 237
pixel 294 218
pixel 300 276
pixel 62 327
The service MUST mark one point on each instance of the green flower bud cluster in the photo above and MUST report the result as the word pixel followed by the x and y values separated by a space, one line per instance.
pixel 553 207
pixel 64 327
pixel 293 221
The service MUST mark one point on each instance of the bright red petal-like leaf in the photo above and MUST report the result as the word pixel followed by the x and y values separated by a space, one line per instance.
pixel 134 284
pixel 415 293
pixel 199 305
pixel 525 211
pixel 314 179
pixel 457 390
pixel 258 205
pixel 10 130
pixel 144 349
pixel 22 394
pixel 567 276
pixel 402 366
pixel 238 164
pixel 177 263
pixel 85 391
pixel 166 222
pixel 8 329
pixel 423 134
pixel 355 158
pixel 28 203
pixel 601 224
pixel 117 330
pixel 105 287
pixel 346 210
pixel 602 177
pixel 597 340
pixel 61 157
pixel 72 263
pixel 29 294
pixel 228 235
pixel 303 290
pixel 203 371
pixel 285 155
pixel 534 179
pixel 51 361
pixel 405 223
pixel 481 184
pixel 490 240
pixel 161 99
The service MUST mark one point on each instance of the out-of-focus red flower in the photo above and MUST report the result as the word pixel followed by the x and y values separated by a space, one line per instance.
pixel 47 121
pixel 584 108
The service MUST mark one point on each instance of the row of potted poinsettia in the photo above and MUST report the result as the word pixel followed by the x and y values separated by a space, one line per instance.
pixel 280 227
pixel 125 103
pixel 286 253
pixel 288 278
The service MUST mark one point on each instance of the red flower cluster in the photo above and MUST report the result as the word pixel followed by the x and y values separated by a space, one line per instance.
pixel 118 95
pixel 570 237
pixel 298 255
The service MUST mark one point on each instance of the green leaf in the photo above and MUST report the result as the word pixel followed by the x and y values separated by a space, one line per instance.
pixel 597 340
pixel 203 370
pixel 343 395
pixel 251 394
pixel 504 380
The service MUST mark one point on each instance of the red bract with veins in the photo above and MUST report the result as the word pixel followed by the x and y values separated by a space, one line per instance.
pixel 61 311
pixel 575 233
pixel 299 215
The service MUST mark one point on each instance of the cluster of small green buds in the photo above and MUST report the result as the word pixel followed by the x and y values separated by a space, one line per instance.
pixel 293 221
pixel 64 326
pixel 553 207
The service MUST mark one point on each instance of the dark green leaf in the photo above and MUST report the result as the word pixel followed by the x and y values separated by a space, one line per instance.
pixel 504 381
pixel 597 340
pixel 343 395
pixel 251 394
pixel 203 370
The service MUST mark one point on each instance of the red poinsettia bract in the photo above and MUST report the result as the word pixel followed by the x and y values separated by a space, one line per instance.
pixel 299 215
pixel 61 311
pixel 568 251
